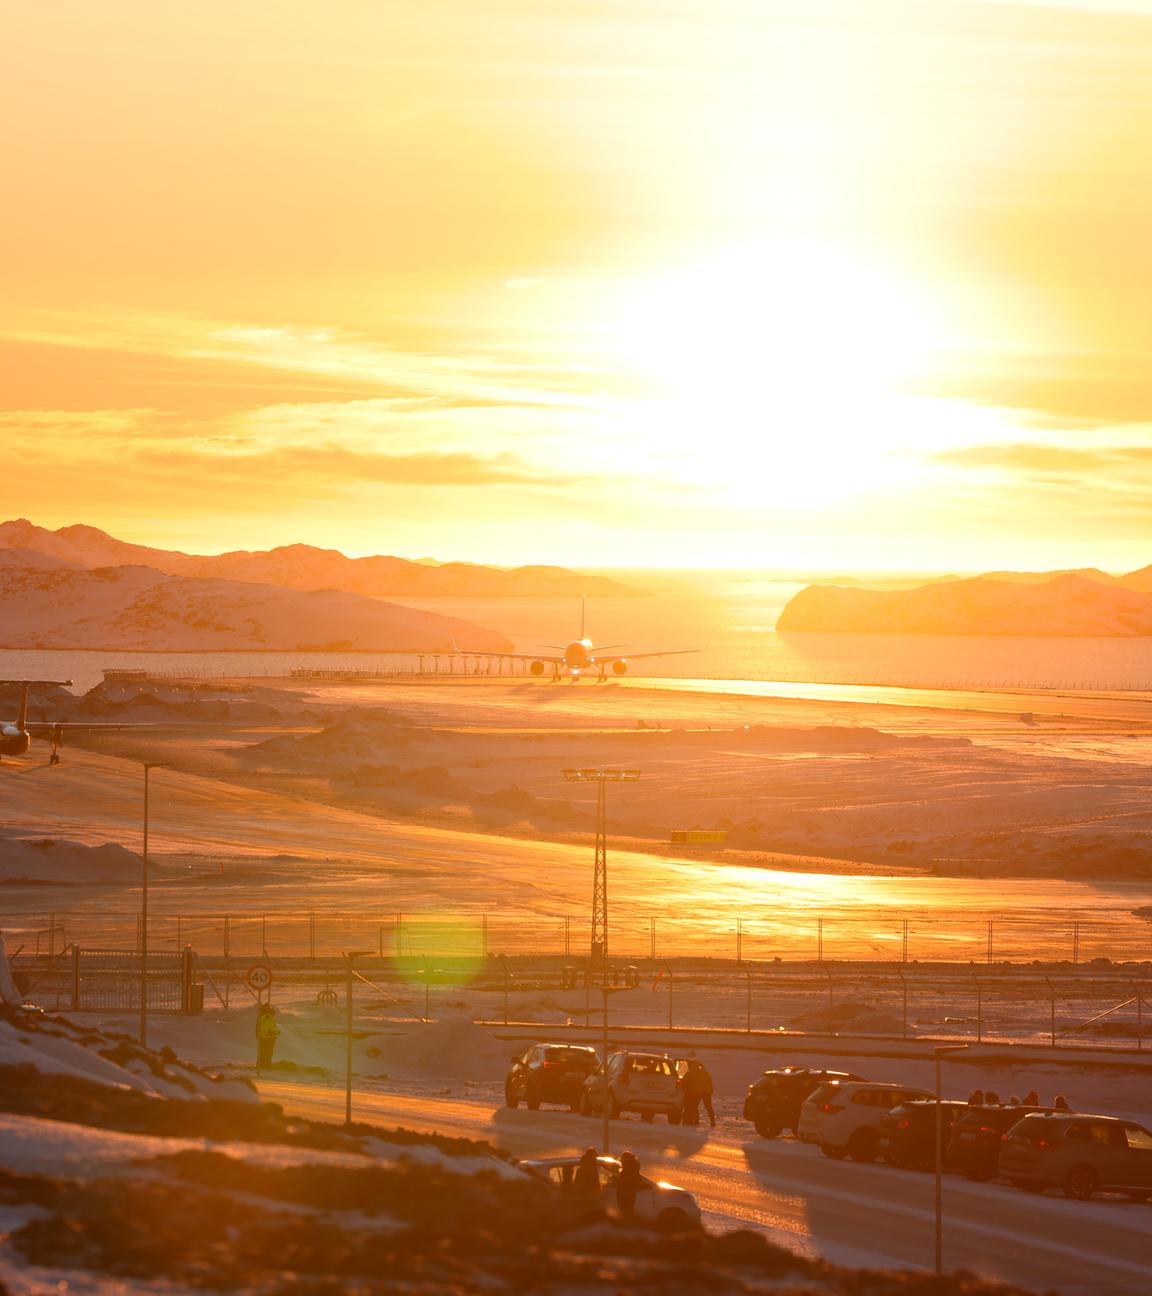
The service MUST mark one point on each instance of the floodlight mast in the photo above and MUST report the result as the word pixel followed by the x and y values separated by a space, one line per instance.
pixel 601 777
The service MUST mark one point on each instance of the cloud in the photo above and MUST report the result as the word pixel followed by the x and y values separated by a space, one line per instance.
pixel 1044 461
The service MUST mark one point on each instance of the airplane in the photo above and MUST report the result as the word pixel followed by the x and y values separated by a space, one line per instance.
pixel 16 735
pixel 580 655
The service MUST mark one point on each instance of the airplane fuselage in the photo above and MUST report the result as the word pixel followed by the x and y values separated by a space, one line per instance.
pixel 578 655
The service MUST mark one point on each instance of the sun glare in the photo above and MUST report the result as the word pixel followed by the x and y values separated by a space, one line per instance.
pixel 775 371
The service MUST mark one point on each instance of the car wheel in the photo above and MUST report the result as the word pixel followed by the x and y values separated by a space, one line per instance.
pixel 510 1099
pixel 673 1220
pixel 673 1118
pixel 837 1154
pixel 765 1130
pixel 863 1145
pixel 647 1117
pixel 1080 1182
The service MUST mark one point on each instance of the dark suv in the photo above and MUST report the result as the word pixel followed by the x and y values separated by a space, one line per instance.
pixel 1081 1154
pixel 974 1147
pixel 773 1101
pixel 908 1132
pixel 549 1073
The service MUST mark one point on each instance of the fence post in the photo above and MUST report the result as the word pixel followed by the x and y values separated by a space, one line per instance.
pixel 186 980
pixel 75 978
pixel 1052 1005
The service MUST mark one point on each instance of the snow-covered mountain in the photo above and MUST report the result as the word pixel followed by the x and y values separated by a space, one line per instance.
pixel 53 604
pixel 304 567
pixel 1064 605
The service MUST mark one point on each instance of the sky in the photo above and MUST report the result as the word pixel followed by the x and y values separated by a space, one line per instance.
pixel 722 283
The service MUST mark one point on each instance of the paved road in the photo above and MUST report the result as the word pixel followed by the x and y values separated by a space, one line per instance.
pixel 866 1215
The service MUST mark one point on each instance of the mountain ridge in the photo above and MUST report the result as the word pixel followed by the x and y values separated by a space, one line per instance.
pixel 52 603
pixel 1067 604
pixel 306 567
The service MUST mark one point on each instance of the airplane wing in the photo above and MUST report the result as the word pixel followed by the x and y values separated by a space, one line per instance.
pixel 667 652
pixel 511 656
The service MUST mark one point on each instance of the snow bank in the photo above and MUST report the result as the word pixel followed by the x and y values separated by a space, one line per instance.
pixel 50 859
pixel 455 1048
pixel 59 1046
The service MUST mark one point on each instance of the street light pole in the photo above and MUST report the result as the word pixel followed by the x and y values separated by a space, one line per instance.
pixel 349 958
pixel 149 766
pixel 938 1051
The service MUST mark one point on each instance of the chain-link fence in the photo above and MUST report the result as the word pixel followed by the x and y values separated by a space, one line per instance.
pixel 826 935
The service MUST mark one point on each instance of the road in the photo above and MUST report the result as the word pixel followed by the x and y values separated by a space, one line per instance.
pixel 859 1215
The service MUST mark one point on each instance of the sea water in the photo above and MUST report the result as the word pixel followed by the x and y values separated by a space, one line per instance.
pixel 728 617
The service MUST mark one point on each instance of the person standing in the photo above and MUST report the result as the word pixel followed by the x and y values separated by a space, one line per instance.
pixel 267 1033
pixel 587 1176
pixel 627 1185
pixel 697 1087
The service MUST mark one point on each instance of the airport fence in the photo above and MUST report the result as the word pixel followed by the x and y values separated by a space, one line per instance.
pixel 820 935
pixel 1093 1006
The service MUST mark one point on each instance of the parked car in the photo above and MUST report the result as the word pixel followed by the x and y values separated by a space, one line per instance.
pixel 908 1132
pixel 549 1073
pixel 843 1117
pixel 639 1082
pixel 974 1144
pixel 773 1101
pixel 1080 1154
pixel 667 1206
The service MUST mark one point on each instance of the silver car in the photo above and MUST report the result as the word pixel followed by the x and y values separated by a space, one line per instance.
pixel 1080 1154
pixel 641 1082
pixel 663 1204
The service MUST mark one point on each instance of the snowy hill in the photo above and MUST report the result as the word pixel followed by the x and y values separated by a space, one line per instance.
pixel 1065 605
pixel 135 607
pixel 304 567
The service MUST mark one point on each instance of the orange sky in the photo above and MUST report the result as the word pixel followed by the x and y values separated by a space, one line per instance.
pixel 812 283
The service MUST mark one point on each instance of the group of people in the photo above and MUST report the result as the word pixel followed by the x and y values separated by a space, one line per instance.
pixel 978 1098
pixel 586 1180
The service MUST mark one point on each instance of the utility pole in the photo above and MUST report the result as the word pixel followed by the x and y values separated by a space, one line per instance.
pixel 149 766
pixel 598 948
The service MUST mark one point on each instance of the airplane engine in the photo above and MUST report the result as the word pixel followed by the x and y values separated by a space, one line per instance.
pixel 537 668
pixel 620 668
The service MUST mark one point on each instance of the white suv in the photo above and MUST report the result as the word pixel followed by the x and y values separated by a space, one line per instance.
pixel 640 1082
pixel 844 1117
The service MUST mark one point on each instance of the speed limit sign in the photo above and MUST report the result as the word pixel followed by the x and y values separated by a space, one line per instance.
pixel 259 977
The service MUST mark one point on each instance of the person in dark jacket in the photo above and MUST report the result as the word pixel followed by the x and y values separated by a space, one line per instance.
pixel 696 1086
pixel 587 1176
pixel 627 1184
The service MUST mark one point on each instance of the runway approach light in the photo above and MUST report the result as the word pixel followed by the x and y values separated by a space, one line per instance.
pixel 601 775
